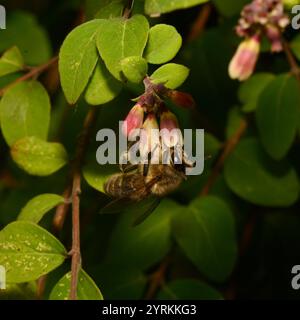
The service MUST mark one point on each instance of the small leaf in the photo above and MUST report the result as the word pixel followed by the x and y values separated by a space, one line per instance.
pixel 157 7
pixel 163 44
pixel 255 177
pixel 188 289
pixel 78 58
pixel 28 251
pixel 134 69
pixel 38 157
pixel 172 75
pixel 251 89
pixel 11 61
pixel 230 8
pixel 103 87
pixel 86 288
pixel 25 111
pixel 38 206
pixel 120 38
pixel 277 115
pixel 107 9
pixel 205 231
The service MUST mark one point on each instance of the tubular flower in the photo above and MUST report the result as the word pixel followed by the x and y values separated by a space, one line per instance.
pixel 243 63
pixel 149 138
pixel 134 120
pixel 170 133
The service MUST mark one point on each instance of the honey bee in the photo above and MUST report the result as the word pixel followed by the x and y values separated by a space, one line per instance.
pixel 144 184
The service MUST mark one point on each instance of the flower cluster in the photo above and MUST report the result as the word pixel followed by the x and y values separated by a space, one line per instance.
pixel 151 113
pixel 259 18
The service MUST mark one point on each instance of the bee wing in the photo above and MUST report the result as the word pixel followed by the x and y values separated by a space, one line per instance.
pixel 148 206
pixel 142 208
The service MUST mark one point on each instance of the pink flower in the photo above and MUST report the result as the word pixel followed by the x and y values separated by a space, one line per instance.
pixel 170 133
pixel 149 138
pixel 274 35
pixel 134 120
pixel 243 63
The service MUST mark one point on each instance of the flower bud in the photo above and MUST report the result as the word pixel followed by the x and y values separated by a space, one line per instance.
pixel 243 63
pixel 169 129
pixel 134 120
pixel 182 99
pixel 274 35
pixel 149 138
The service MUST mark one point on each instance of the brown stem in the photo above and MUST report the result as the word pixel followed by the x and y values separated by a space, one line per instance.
pixel 34 72
pixel 228 148
pixel 291 60
pixel 82 144
pixel 62 210
pixel 200 23
pixel 157 278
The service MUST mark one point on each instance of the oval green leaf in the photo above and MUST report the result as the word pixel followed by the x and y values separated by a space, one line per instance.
pixel 103 87
pixel 11 61
pixel 206 233
pixel 255 177
pixel 134 69
pixel 28 251
pixel 172 75
pixel 78 58
pixel 25 111
pixel 277 115
pixel 36 208
pixel 38 157
pixel 86 288
pixel 157 7
pixel 120 38
pixel 163 44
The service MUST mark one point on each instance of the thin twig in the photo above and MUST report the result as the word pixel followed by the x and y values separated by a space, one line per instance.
pixel 228 148
pixel 157 279
pixel 34 72
pixel 200 23
pixel 82 144
pixel 291 60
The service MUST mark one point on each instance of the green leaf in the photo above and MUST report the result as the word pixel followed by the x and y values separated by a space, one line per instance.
pixel 230 7
pixel 277 115
pixel 157 7
pixel 120 283
pixel 163 44
pixel 28 251
pixel 295 46
pixel 206 233
pixel 172 75
pixel 25 111
pixel 108 9
pixel 96 175
pixel 146 244
pixel 134 69
pixel 103 87
pixel 255 177
pixel 188 289
pixel 28 35
pixel 36 208
pixel 11 61
pixel 78 58
pixel 38 157
pixel 251 89
pixel 86 288
pixel 120 38
pixel 235 116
